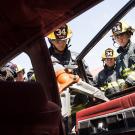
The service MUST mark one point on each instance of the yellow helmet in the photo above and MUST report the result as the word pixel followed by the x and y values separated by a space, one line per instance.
pixel 19 69
pixel 33 78
pixel 62 33
pixel 122 27
pixel 109 53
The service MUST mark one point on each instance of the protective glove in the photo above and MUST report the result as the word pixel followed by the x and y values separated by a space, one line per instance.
pixel 130 80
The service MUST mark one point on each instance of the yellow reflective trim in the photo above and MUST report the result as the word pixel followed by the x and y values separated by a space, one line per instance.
pixel 126 70
pixel 132 77
pixel 133 66
pixel 121 81
pixel 102 88
pixel 109 85
pixel 114 83
pixel 127 73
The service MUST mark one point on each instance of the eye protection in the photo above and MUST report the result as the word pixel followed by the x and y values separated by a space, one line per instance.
pixel 109 59
pixel 57 41
pixel 119 35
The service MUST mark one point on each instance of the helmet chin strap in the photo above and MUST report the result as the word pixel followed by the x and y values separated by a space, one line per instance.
pixel 114 42
pixel 68 46
pixel 58 51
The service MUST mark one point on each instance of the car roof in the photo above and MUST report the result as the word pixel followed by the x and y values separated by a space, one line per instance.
pixel 23 21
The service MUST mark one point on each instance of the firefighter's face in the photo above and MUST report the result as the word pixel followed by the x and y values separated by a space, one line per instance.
pixel 20 76
pixel 122 39
pixel 59 44
pixel 110 62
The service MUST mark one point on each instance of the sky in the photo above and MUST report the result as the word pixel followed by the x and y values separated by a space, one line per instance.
pixel 85 27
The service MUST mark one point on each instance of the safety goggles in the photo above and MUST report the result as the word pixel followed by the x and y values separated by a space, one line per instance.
pixel 119 35
pixel 58 41
pixel 109 59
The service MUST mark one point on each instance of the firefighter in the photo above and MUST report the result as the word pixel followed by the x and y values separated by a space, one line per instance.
pixel 60 54
pixel 121 33
pixel 107 80
pixel 8 72
pixel 59 49
pixel 20 71
pixel 31 75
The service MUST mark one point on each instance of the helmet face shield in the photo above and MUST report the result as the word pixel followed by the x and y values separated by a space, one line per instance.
pixel 60 45
pixel 58 41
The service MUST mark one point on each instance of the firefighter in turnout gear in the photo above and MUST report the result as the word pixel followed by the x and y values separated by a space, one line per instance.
pixel 60 54
pixel 122 33
pixel 59 49
pixel 31 75
pixel 107 80
pixel 20 71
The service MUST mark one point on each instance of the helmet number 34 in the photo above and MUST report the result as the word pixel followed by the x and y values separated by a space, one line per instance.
pixel 61 32
pixel 117 27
